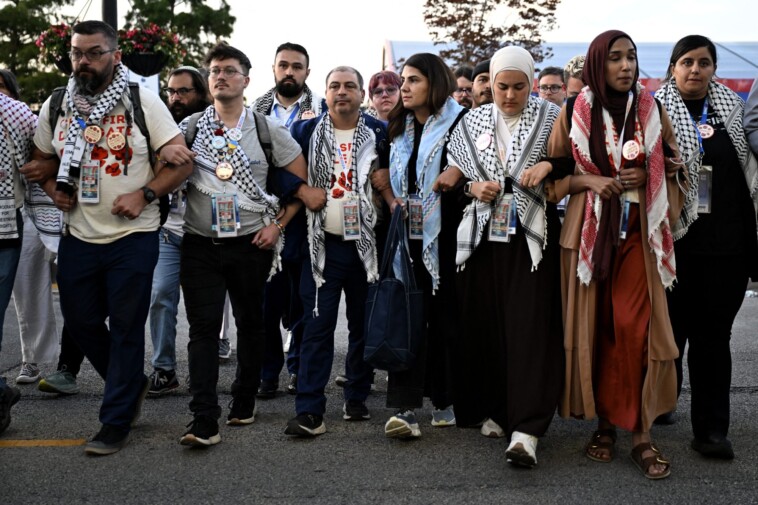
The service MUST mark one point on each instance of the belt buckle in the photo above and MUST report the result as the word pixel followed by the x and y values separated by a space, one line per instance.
pixel 217 241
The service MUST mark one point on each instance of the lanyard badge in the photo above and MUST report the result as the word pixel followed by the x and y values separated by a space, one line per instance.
pixel 225 220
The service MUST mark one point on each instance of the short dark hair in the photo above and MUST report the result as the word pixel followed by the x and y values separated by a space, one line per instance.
pixel 290 46
pixel 223 51
pixel 199 81
pixel 11 84
pixel 687 44
pixel 464 71
pixel 345 68
pixel 93 27
pixel 441 86
pixel 386 77
pixel 551 71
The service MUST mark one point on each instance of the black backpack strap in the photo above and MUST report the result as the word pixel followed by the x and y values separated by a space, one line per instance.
pixel 191 132
pixel 264 139
pixel 449 132
pixel 56 106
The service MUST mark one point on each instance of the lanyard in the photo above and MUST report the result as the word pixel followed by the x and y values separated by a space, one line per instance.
pixel 292 116
pixel 618 149
pixel 703 120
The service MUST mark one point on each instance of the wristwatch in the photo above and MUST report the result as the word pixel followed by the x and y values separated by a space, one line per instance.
pixel 149 194
pixel 467 189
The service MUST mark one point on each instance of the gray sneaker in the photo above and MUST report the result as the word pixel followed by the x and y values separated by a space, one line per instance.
pixel 61 382
pixel 29 373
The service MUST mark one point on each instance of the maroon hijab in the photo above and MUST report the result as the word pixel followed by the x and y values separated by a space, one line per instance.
pixel 614 102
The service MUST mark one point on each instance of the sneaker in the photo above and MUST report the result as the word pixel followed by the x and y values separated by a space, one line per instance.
pixel 402 425
pixel 203 432
pixel 162 382
pixel 109 439
pixel 9 396
pixel 443 417
pixel 29 373
pixel 61 382
pixel 306 425
pixel 522 450
pixel 355 411
pixel 224 350
pixel 491 429
pixel 340 380
pixel 241 412
pixel 292 386
pixel 267 390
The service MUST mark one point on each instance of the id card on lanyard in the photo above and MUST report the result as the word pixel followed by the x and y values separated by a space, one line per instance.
pixel 705 176
pixel 415 218
pixel 351 219
pixel 226 218
pixel 624 225
pixel 503 221
pixel 89 182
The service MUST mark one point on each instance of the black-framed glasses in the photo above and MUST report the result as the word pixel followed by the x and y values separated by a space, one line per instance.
pixel 179 91
pixel 92 54
pixel 463 90
pixel 550 88
pixel 228 72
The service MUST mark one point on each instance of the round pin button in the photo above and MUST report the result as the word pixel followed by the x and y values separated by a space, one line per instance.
pixel 631 150
pixel 116 141
pixel 484 141
pixel 93 134
pixel 224 170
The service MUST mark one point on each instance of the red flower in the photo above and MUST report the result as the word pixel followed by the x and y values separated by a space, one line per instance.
pixel 98 153
pixel 338 193
pixel 113 169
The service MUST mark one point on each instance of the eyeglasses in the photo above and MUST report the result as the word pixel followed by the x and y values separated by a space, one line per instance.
pixel 180 91
pixel 390 90
pixel 92 54
pixel 227 72
pixel 552 88
pixel 463 90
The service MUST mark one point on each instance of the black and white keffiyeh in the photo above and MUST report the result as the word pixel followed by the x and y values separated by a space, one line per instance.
pixel 528 145
pixel 321 156
pixel 729 108
pixel 75 147
pixel 265 103
pixel 17 125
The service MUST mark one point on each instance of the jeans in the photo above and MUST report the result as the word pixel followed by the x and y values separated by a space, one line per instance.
pixel 282 298
pixel 9 257
pixel 209 269
pixel 164 301
pixel 343 270
pixel 112 282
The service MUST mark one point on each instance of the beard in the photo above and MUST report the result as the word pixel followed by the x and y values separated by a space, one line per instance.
pixel 89 85
pixel 289 89
pixel 180 111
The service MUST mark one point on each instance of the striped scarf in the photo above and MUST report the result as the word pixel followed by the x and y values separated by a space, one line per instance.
pixel 528 145
pixel 321 156
pixel 729 108
pixel 265 103
pixel 660 238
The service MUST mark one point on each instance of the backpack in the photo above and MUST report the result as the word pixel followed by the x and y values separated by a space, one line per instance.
pixel 264 139
pixel 56 110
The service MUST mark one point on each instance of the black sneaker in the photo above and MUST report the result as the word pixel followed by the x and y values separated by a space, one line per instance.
pixel 162 382
pixel 203 432
pixel 9 396
pixel 306 425
pixel 267 390
pixel 292 386
pixel 109 440
pixel 241 412
pixel 355 411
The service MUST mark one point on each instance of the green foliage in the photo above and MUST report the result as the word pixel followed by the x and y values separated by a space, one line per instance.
pixel 481 27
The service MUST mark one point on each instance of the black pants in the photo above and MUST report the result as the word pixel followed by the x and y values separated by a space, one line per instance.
pixel 209 269
pixel 703 306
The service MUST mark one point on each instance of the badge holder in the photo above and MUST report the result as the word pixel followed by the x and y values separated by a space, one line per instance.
pixel 89 183
pixel 704 189
pixel 624 225
pixel 177 200
pixel 351 220
pixel 503 220
pixel 226 218
pixel 416 218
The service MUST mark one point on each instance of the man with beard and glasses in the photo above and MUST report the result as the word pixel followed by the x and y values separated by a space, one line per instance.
pixel 108 191
pixel 462 93
pixel 288 101
pixel 481 89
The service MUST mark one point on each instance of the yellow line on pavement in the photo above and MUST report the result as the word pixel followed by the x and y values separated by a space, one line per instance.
pixel 43 443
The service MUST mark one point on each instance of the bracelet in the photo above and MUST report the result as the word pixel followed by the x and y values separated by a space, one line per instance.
pixel 279 225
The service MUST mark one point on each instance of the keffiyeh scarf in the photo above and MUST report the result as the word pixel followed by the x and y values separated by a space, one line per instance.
pixel 17 125
pixel 321 156
pixel 527 145
pixel 729 108
pixel 660 238
pixel 428 167
pixel 76 147
pixel 266 102
pixel 251 196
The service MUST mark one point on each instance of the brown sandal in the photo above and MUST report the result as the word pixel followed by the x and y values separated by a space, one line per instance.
pixel 596 443
pixel 645 464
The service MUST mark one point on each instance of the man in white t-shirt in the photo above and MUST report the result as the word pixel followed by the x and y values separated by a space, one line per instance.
pixel 109 193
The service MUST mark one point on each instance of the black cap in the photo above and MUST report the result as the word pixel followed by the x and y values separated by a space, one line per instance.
pixel 481 68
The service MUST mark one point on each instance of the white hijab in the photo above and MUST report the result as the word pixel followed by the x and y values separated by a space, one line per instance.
pixel 510 58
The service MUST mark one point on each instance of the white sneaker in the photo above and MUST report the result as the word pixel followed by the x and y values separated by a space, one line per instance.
pixel 491 429
pixel 29 374
pixel 402 425
pixel 522 450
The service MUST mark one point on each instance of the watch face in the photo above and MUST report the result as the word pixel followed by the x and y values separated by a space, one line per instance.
pixel 149 194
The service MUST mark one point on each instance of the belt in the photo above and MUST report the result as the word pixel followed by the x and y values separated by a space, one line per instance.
pixel 244 239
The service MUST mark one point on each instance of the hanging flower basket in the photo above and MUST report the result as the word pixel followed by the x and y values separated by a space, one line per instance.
pixel 54 45
pixel 145 64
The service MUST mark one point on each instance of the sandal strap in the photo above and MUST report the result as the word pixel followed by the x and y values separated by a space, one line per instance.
pixel 646 463
pixel 608 432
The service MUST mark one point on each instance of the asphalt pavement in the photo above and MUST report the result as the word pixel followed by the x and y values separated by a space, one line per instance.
pixel 353 463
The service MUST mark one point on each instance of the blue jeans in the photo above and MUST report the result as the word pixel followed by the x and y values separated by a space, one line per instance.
pixel 9 257
pixel 343 270
pixel 110 281
pixel 211 268
pixel 164 301
pixel 282 298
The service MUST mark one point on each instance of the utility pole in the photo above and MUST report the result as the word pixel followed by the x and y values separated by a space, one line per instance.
pixel 110 13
